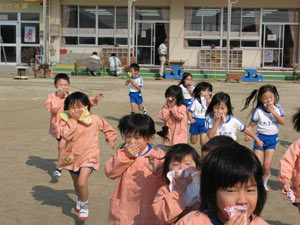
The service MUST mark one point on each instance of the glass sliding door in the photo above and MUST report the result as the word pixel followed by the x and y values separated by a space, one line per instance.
pixel 8 43
pixel 144 42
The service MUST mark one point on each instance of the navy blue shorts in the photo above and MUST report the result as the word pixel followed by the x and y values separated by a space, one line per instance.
pixel 198 127
pixel 78 172
pixel 270 141
pixel 188 102
pixel 136 97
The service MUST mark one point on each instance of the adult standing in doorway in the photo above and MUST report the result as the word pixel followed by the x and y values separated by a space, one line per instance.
pixel 163 53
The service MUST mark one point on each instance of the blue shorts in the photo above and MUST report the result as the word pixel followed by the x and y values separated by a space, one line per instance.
pixel 188 102
pixel 198 127
pixel 78 172
pixel 270 141
pixel 136 97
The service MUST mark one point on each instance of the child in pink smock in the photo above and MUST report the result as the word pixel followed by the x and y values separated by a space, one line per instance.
pixel 289 168
pixel 81 155
pixel 169 206
pixel 137 185
pixel 174 116
pixel 55 105
pixel 231 188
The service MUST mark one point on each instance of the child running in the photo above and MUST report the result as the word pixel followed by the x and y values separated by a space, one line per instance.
pixel 231 189
pixel 81 155
pixel 174 116
pixel 55 105
pixel 289 168
pixel 197 110
pixel 137 185
pixel 135 87
pixel 267 115
pixel 187 88
pixel 169 206
pixel 221 120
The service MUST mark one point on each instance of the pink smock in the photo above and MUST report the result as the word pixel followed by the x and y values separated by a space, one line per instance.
pixel 83 143
pixel 176 120
pixel 55 106
pixel 289 168
pixel 197 218
pixel 169 206
pixel 131 203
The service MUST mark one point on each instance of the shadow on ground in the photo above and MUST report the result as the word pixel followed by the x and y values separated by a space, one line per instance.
pixel 47 165
pixel 272 222
pixel 284 143
pixel 58 198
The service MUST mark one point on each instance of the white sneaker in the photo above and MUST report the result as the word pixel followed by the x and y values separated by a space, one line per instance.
pixel 144 110
pixel 57 173
pixel 77 207
pixel 84 211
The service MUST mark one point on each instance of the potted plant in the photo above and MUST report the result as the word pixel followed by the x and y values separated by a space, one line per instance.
pixel 46 68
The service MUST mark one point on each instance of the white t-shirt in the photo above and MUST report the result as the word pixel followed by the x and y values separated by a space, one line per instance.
pixel 229 128
pixel 162 49
pixel 138 81
pixel 199 109
pixel 185 92
pixel 266 122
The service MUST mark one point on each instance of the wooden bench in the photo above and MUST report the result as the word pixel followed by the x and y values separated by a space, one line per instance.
pixel 89 64
pixel 234 76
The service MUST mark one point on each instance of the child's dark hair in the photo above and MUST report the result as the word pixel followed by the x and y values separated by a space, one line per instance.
pixel 61 76
pixel 200 87
pixel 177 153
pixel 77 97
pixel 175 90
pixel 257 93
pixel 140 124
pixel 184 76
pixel 224 167
pixel 216 100
pixel 216 142
pixel 135 66
pixel 296 120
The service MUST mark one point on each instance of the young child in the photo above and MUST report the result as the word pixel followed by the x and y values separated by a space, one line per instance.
pixel 174 116
pixel 81 155
pixel 289 167
pixel 55 105
pixel 214 143
pixel 267 115
pixel 231 179
pixel 222 122
pixel 135 87
pixel 169 206
pixel 187 88
pixel 137 185
pixel 197 110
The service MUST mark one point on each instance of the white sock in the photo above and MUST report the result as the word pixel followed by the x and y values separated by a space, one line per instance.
pixel 265 180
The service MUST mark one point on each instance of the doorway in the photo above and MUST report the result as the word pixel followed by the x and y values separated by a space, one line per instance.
pixel 148 37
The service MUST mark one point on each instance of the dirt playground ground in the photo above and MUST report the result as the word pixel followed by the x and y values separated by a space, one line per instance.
pixel 30 196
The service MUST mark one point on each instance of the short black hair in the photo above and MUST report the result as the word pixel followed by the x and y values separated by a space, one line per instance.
pixel 200 87
pixel 94 53
pixel 140 124
pixel 113 54
pixel 215 142
pixel 216 100
pixel 77 97
pixel 135 66
pixel 224 167
pixel 175 90
pixel 62 76
pixel 177 153
pixel 184 76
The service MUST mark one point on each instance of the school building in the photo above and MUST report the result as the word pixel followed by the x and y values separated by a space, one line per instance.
pixel 264 34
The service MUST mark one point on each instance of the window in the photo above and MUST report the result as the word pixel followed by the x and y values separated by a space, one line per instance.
pixel 203 27
pixel 280 15
pixel 152 14
pixel 30 16
pixel 79 25
pixel 8 16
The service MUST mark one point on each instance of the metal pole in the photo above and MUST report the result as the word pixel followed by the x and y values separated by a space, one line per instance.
pixel 45 50
pixel 228 36
pixel 129 31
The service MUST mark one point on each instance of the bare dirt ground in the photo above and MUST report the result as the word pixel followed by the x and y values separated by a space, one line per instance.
pixel 30 196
